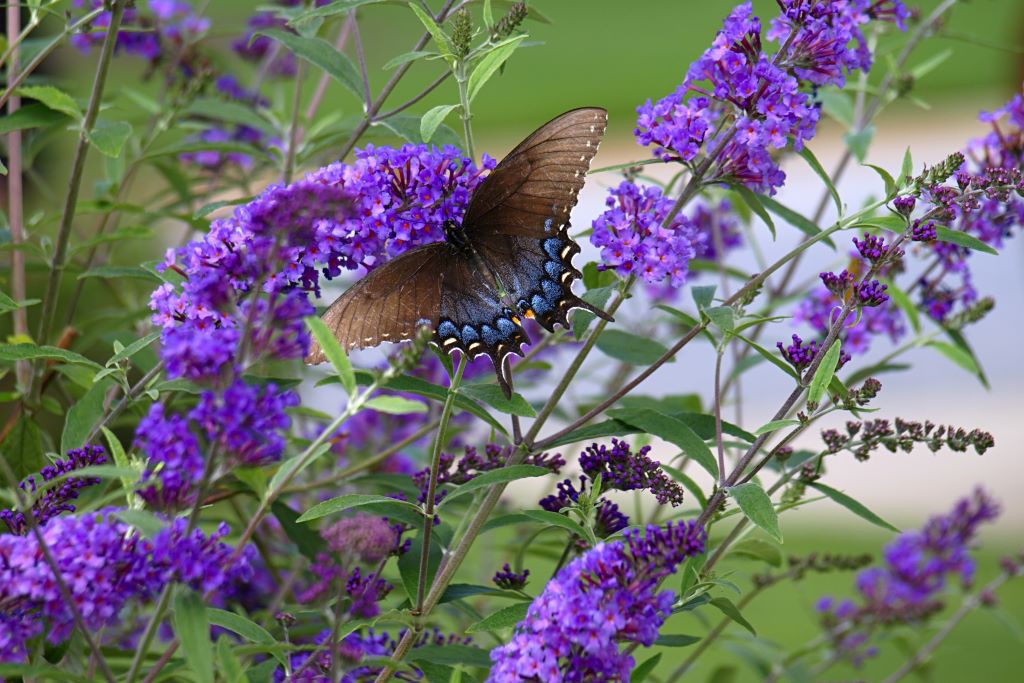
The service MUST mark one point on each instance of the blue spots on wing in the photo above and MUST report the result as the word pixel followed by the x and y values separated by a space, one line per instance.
pixel 547 225
pixel 539 305
pixel 469 335
pixel 491 335
pixel 506 327
pixel 553 268
pixel 552 291
pixel 552 247
pixel 447 329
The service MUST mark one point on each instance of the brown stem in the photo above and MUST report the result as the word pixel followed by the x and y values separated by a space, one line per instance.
pixel 15 207
pixel 325 78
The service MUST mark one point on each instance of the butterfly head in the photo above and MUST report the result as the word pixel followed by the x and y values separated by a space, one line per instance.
pixel 456 236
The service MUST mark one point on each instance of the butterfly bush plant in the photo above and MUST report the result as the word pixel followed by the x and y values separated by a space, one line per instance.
pixel 181 498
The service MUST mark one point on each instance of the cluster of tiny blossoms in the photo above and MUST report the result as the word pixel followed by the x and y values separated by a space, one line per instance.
pixel 623 470
pixel 606 597
pixel 740 104
pixel 907 587
pixel 634 241
pixel 55 499
pixel 166 27
pixel 105 564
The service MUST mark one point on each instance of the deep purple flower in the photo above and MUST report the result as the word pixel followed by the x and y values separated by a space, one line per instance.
pixel 452 471
pixel 904 204
pixel 245 422
pixel 819 311
pixel 175 462
pixel 608 518
pixel 923 231
pixel 106 565
pixel 152 35
pixel 800 356
pixel 872 293
pixel 606 597
pixel 510 580
pixel 55 499
pixel 623 470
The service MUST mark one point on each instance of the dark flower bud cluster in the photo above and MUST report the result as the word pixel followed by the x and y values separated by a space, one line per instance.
pixel 907 587
pixel 904 204
pixel 55 499
pixel 861 396
pixel 800 356
pixel 462 33
pixel 923 231
pixel 507 579
pixel 972 314
pixel 505 26
pixel 609 519
pixel 472 464
pixel 839 285
pixel 872 247
pixel 872 293
pixel 940 173
pixel 604 599
pixel 861 438
pixel 622 470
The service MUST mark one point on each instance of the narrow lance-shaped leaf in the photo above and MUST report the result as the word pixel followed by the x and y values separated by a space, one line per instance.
pixel 490 64
pixel 823 375
pixel 757 506
pixel 334 352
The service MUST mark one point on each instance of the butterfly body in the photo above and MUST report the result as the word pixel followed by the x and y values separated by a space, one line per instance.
pixel 510 258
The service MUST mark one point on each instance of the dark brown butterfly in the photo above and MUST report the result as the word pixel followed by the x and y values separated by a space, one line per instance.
pixel 511 257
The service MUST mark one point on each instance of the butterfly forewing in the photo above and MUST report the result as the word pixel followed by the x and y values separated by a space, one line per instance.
pixel 389 304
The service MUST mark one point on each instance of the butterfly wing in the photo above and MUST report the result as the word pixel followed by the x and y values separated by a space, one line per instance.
pixel 389 304
pixel 518 218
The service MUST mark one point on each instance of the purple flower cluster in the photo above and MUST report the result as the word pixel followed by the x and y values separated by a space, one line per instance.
pixel 229 89
pixel 106 565
pixel 622 470
pixel 633 241
pixel 361 537
pixel 741 104
pixel 55 499
pixel 608 596
pixel 257 48
pixel 906 588
pixel 800 356
pixel 152 35
pixel 608 518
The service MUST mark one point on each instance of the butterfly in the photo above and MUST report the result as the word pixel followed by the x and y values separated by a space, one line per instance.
pixel 511 257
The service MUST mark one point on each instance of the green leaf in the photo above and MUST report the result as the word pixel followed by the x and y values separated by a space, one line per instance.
pixel 81 417
pixel 676 640
pixel 436 32
pixel 672 430
pixel 757 506
pixel 887 180
pixel 904 303
pixel 930 64
pixel 703 296
pixel 433 118
pixel 206 209
pixel 581 319
pixel 23 448
pixel 500 476
pixel 54 98
pixel 228 663
pixel 769 356
pixel 109 136
pixel 642 671
pixel 192 626
pixel 15 352
pixel 794 218
pixel 230 112
pixel 754 202
pixel 774 425
pixel 244 627
pixel 807 155
pixel 852 505
pixel 823 375
pixel 347 502
pixel 408 128
pixel 730 610
pixel 963 239
pixel 723 317
pixel 120 459
pixel 30 116
pixel 837 104
pixel 506 617
pixel 330 10
pixel 630 348
pixel 451 654
pixel 113 272
pixel 320 53
pixel 408 57
pixel 860 141
pixel 145 522
pixel 308 541
pixel 906 168
pixel 396 405
pixel 556 519
pixel 759 549
pixel 409 564
pixel 891 223
pixel 492 395
pixel 490 64
pixel 335 354
pixel 957 355
pixel 133 348
pixel 421 387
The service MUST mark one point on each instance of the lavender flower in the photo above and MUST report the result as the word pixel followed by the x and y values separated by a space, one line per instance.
pixel 740 104
pixel 820 309
pixel 153 35
pixel 623 470
pixel 55 499
pixel 906 588
pixel 800 356
pixel 573 630
pixel 106 565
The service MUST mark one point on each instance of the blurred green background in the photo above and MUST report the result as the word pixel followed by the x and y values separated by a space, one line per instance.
pixel 617 54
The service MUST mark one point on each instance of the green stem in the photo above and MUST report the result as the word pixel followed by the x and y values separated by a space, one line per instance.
pixel 435 465
pixel 293 128
pixel 75 182
pixel 142 649
pixel 467 129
